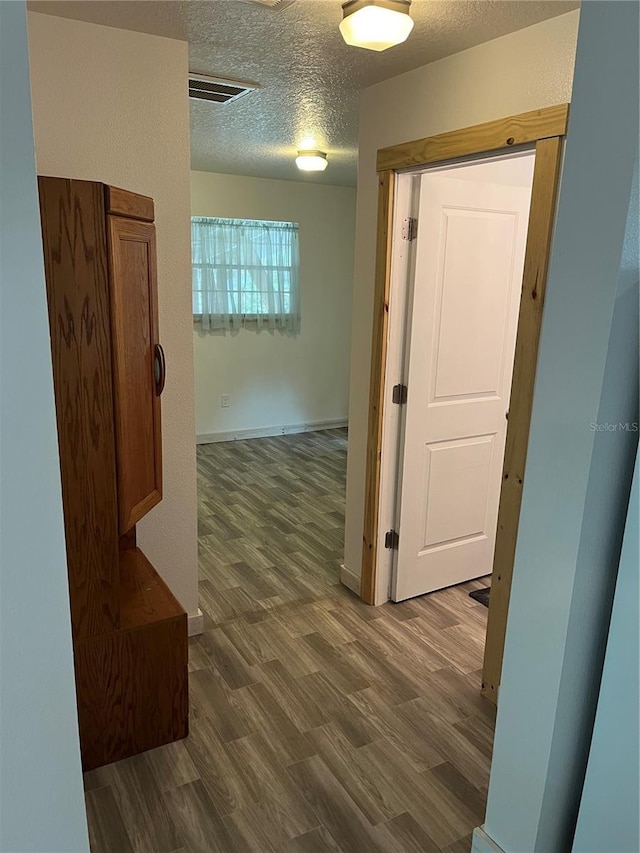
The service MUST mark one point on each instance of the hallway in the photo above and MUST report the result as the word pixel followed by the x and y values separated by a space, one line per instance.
pixel 270 521
pixel 317 723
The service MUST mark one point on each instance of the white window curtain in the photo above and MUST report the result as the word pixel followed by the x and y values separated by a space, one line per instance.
pixel 245 274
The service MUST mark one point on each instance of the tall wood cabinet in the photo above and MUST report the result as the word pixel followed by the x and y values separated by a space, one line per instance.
pixel 129 632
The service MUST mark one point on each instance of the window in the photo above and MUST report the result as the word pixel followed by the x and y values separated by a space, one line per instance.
pixel 245 274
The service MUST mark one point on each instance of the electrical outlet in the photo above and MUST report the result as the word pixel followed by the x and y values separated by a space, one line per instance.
pixel 225 401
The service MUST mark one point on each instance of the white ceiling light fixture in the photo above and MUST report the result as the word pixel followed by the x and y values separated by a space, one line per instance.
pixel 312 161
pixel 376 24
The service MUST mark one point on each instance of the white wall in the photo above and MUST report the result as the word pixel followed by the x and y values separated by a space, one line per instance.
pixel 276 380
pixel 41 796
pixel 526 70
pixel 608 818
pixel 111 105
pixel 578 478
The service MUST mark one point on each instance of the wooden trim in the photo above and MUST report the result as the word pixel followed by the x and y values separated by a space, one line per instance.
pixel 130 205
pixel 386 184
pixel 490 136
pixel 541 219
pixel 139 510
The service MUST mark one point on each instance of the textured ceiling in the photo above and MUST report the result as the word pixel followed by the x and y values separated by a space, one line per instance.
pixel 309 78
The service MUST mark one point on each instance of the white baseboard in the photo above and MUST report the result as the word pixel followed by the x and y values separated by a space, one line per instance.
pixel 482 843
pixel 195 624
pixel 266 432
pixel 350 579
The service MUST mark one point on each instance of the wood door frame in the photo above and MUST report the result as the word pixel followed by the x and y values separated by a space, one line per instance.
pixel 545 128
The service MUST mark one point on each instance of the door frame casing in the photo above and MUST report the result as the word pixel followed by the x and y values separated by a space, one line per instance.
pixel 546 128
pixel 400 291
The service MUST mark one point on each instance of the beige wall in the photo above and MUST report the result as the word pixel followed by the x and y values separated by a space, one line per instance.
pixel 111 105
pixel 276 380
pixel 526 70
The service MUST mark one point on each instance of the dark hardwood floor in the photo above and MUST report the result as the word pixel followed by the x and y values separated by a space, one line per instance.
pixel 317 723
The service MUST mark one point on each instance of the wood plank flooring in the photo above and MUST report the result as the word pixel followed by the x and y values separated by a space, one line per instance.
pixel 318 724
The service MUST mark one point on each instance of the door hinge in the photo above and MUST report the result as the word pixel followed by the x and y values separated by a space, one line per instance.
pixel 391 540
pixel 399 395
pixel 409 228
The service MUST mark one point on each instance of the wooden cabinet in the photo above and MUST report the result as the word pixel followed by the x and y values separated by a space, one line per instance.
pixel 129 632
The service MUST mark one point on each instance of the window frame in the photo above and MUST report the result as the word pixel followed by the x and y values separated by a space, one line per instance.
pixel 283 318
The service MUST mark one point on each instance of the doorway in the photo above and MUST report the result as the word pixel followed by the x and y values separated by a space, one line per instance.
pixel 272 322
pixel 543 129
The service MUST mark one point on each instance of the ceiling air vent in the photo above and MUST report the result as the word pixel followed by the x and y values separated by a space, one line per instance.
pixel 217 89
pixel 276 5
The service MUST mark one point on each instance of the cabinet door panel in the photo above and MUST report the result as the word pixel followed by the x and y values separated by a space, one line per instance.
pixel 134 321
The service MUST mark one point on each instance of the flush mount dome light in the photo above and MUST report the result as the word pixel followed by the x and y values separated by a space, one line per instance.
pixel 375 24
pixel 311 161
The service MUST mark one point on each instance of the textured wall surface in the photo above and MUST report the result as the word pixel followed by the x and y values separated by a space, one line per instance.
pixel 273 379
pixel 526 70
pixel 41 796
pixel 111 105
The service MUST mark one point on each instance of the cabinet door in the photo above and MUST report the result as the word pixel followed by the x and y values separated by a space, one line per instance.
pixel 138 367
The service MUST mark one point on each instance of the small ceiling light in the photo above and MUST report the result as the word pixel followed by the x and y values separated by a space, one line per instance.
pixel 312 161
pixel 375 24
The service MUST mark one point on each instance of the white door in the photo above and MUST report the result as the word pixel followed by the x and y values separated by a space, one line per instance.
pixel 466 295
